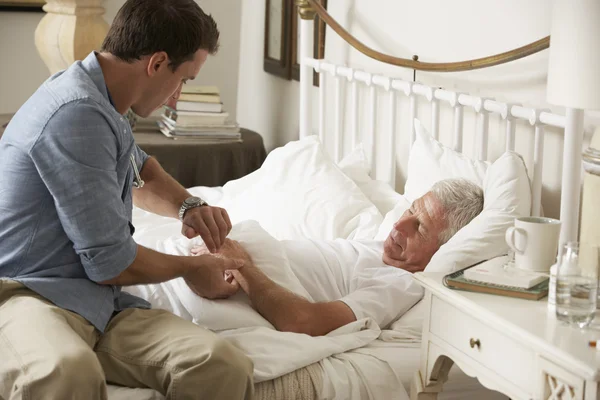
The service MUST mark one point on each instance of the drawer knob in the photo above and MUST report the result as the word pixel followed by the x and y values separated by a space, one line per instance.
pixel 474 343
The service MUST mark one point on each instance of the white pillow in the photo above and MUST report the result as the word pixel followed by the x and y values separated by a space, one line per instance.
pixel 430 162
pixel 507 195
pixel 267 253
pixel 391 217
pixel 356 166
pixel 300 193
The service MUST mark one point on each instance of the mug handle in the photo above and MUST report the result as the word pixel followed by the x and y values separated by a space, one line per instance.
pixel 510 239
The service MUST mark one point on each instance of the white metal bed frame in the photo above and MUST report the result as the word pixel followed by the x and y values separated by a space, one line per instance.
pixel 483 107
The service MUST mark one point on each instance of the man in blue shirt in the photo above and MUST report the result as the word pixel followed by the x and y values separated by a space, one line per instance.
pixel 68 167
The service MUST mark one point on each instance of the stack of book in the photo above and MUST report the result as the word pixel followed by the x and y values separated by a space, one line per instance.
pixel 199 114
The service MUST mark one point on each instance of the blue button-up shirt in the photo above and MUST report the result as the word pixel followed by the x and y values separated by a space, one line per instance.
pixel 65 195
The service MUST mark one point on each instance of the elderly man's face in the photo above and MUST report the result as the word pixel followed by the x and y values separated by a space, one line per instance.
pixel 415 236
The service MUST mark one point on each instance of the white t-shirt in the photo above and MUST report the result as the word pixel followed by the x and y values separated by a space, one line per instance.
pixel 354 273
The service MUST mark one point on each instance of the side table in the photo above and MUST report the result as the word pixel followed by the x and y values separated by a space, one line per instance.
pixel 193 163
pixel 514 346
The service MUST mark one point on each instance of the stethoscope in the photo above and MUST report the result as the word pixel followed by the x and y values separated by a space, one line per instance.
pixel 138 182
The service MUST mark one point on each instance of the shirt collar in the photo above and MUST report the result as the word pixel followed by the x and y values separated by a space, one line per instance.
pixel 92 67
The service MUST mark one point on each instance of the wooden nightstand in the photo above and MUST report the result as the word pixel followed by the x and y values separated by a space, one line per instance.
pixel 514 346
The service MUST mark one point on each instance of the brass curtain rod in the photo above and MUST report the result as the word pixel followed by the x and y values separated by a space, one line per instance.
pixel 308 8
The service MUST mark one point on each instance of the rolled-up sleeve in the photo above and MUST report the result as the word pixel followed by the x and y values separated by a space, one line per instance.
pixel 76 156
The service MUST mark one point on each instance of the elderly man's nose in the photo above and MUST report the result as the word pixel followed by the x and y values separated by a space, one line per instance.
pixel 404 226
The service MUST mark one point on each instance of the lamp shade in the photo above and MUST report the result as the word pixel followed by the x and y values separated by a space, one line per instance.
pixel 574 66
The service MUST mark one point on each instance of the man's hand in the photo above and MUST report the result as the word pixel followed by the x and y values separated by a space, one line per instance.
pixel 239 275
pixel 211 277
pixel 231 250
pixel 211 223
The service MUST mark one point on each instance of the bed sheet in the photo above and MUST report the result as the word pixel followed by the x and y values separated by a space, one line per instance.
pixel 354 370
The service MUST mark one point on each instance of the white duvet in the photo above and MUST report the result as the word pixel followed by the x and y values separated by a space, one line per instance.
pixel 274 353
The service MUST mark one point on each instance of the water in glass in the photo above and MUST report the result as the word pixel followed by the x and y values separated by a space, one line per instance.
pixel 576 288
pixel 576 299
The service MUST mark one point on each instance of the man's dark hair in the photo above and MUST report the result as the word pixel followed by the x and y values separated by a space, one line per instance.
pixel 177 27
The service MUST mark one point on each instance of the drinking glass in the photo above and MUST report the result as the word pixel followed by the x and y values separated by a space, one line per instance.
pixel 576 288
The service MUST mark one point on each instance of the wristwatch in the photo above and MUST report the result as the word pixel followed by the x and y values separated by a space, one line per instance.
pixel 190 202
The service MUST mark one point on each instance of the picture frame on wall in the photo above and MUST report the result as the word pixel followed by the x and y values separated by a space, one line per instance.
pixel 319 47
pixel 277 38
pixel 22 5
pixel 282 39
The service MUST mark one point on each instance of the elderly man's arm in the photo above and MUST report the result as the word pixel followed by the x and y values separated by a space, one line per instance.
pixel 287 311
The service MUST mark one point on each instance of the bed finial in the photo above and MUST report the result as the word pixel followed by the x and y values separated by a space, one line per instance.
pixel 415 58
pixel 305 10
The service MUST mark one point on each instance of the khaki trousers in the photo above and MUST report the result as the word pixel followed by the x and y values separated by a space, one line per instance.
pixel 47 352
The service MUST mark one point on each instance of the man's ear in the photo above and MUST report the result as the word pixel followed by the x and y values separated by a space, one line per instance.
pixel 157 61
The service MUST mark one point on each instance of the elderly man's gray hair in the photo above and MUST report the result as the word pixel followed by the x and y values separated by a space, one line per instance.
pixel 462 201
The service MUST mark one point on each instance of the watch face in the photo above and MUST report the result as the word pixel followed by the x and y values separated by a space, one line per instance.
pixel 191 201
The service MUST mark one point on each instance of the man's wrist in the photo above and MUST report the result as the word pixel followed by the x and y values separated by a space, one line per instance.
pixel 190 203
pixel 188 264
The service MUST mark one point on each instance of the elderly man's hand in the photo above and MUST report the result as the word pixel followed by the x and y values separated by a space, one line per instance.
pixel 210 276
pixel 230 249
pixel 211 223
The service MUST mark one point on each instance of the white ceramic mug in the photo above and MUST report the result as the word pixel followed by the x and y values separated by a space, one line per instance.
pixel 535 242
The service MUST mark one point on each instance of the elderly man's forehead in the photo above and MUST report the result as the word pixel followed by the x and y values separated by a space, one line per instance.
pixel 431 204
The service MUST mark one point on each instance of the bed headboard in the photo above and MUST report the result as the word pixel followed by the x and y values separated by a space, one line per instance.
pixel 351 102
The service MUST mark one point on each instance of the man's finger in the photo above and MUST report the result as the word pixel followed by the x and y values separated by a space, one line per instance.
pixel 209 220
pixel 227 220
pixel 221 226
pixel 207 237
pixel 235 284
pixel 188 231
pixel 232 264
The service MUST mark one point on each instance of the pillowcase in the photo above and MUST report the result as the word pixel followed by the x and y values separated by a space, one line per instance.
pixel 507 195
pixel 391 217
pixel 300 193
pixel 430 161
pixel 356 166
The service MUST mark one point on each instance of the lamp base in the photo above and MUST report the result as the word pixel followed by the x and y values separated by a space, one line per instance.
pixel 571 176
pixel 69 31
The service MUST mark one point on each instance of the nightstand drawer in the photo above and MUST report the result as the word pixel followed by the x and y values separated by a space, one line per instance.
pixel 484 344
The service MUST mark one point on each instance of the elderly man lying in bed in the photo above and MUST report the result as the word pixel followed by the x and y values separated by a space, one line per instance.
pixel 343 288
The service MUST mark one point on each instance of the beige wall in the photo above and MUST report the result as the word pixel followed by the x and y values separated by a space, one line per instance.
pixel 22 70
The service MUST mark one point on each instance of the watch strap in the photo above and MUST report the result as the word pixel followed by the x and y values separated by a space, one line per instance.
pixel 187 206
